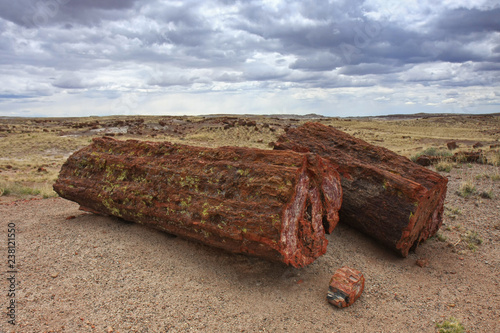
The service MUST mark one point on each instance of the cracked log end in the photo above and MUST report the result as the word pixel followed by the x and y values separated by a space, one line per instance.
pixel 385 195
pixel 274 205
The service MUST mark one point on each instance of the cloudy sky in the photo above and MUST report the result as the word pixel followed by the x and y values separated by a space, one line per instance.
pixel 335 58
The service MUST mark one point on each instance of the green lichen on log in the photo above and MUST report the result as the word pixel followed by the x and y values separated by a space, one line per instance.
pixel 274 205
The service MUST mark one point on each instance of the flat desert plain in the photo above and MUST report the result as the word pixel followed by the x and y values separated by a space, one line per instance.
pixel 79 272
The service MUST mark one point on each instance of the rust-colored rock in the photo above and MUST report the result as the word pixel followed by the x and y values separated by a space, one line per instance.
pixel 452 145
pixel 386 196
pixel 274 205
pixel 346 286
pixel 424 160
pixel 460 157
pixel 477 145
pixel 470 157
pixel 423 262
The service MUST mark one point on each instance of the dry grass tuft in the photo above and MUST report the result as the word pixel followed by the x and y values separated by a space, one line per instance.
pixel 472 239
pixel 444 166
pixel 451 325
pixel 467 188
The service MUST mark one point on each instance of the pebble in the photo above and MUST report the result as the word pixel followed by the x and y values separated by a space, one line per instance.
pixel 422 262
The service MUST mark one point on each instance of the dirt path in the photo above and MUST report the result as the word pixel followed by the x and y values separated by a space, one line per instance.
pixel 99 274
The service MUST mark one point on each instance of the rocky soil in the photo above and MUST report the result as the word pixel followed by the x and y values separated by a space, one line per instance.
pixel 78 272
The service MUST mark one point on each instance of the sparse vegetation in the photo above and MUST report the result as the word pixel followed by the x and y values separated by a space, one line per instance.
pixel 440 237
pixel 467 188
pixel 17 189
pixel 470 224
pixel 444 166
pixel 461 158
pixel 432 151
pixel 244 136
pixel 452 212
pixel 496 177
pixel 494 158
pixel 51 141
pixel 487 194
pixel 451 325
pixel 472 239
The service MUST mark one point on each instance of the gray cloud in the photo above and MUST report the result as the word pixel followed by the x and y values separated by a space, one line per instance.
pixel 373 68
pixel 468 21
pixel 39 13
pixel 120 46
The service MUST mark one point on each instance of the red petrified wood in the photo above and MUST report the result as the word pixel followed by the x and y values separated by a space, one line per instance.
pixel 388 197
pixel 274 205
pixel 346 286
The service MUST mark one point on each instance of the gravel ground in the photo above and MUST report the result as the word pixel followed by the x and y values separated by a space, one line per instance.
pixel 100 274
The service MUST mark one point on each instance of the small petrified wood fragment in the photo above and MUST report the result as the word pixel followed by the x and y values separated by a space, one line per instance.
pixel 273 205
pixel 461 157
pixel 346 286
pixel 386 196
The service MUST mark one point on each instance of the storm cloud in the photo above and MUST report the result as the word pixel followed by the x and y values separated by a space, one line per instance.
pixel 194 57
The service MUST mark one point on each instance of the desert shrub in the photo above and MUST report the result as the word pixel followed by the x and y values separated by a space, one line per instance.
pixel 440 237
pixel 461 158
pixel 451 325
pixel 487 194
pixel 467 189
pixel 25 190
pixel 472 239
pixel 20 190
pixel 444 166
pixel 5 189
pixel 494 158
pixel 432 151
pixel 437 152
pixel 452 212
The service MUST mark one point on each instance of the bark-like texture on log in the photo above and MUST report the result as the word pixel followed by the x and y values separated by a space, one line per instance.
pixel 346 286
pixel 386 196
pixel 273 205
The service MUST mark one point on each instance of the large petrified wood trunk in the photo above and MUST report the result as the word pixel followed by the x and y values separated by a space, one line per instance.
pixel 386 195
pixel 274 205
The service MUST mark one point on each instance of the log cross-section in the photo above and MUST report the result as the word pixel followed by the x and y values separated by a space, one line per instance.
pixel 387 196
pixel 274 205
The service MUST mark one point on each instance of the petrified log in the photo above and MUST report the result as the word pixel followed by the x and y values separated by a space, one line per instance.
pixel 274 205
pixel 470 157
pixel 425 160
pixel 452 145
pixel 386 196
pixel 460 157
pixel 477 145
